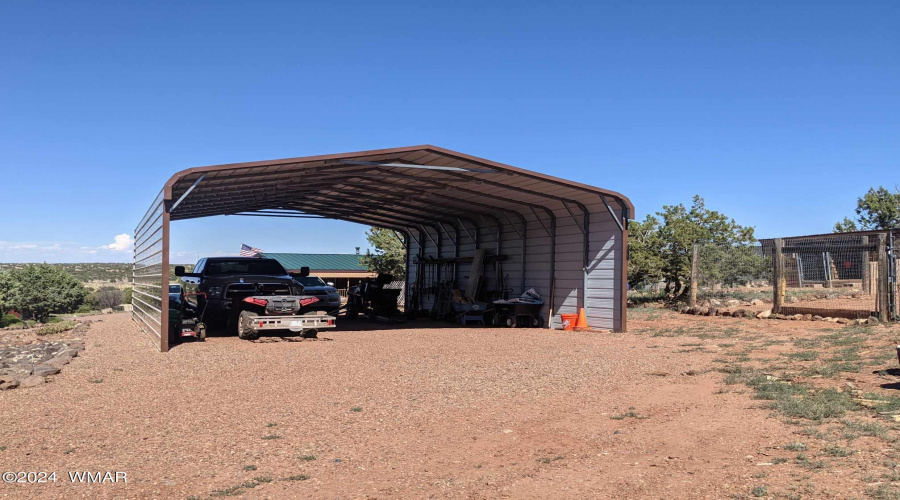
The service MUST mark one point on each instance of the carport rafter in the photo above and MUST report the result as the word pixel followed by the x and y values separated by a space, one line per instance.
pixel 269 193
pixel 311 189
pixel 386 194
pixel 297 176
pixel 353 216
pixel 316 192
pixel 377 209
pixel 539 177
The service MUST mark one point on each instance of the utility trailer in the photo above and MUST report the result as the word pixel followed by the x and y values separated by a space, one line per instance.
pixel 280 312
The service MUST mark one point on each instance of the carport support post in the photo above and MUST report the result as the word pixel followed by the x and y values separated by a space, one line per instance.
pixel 455 255
pixel 778 283
pixel 623 304
pixel 882 304
pixel 416 292
pixel 406 265
pixel 552 267
pixel 695 275
pixel 587 251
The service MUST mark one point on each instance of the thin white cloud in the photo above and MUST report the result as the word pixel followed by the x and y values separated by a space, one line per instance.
pixel 66 251
pixel 70 251
pixel 17 245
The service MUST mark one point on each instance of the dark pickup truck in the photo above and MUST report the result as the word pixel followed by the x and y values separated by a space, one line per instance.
pixel 248 295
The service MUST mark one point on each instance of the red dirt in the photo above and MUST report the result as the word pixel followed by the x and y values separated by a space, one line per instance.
pixel 444 413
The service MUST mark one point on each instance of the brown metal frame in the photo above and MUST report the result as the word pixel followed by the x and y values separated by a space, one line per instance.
pixel 404 200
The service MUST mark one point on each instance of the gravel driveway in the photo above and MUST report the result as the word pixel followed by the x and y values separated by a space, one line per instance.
pixel 385 413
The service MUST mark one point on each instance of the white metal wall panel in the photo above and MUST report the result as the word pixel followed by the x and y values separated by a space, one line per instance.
pixel 602 301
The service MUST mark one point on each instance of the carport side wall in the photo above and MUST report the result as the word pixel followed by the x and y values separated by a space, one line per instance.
pixel 603 307
pixel 150 273
pixel 606 264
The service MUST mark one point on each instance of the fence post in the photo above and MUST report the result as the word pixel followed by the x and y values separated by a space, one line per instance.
pixel 894 264
pixel 695 275
pixel 778 283
pixel 882 306
pixel 866 271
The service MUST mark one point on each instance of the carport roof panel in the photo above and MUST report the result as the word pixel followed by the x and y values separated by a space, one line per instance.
pixel 385 194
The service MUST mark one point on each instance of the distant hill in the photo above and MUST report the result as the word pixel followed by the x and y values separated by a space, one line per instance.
pixel 110 272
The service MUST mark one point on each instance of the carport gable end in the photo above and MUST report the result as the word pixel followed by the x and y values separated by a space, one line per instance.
pixel 565 239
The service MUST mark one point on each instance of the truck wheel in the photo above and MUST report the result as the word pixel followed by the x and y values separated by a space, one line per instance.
pixel 310 334
pixel 201 330
pixel 243 325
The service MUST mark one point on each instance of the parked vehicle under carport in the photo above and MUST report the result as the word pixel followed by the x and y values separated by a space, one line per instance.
pixel 329 297
pixel 250 295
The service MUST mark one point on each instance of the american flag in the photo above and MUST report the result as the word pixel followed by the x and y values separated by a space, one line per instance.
pixel 248 251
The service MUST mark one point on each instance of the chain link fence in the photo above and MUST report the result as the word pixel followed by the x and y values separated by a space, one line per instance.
pixel 401 299
pixel 832 275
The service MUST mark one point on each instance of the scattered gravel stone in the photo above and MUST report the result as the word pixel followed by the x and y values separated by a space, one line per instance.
pixel 24 362
pixel 7 382
pixel 32 381
pixel 44 370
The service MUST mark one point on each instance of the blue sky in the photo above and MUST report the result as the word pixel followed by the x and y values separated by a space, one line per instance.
pixel 779 113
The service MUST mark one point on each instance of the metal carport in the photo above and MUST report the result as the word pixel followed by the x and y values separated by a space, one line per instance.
pixel 568 240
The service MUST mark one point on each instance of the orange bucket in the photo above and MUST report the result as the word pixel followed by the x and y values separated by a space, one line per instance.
pixel 568 321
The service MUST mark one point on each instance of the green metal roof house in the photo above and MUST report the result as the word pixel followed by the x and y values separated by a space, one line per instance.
pixel 324 265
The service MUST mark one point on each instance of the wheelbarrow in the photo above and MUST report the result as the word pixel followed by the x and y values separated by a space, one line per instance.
pixel 516 313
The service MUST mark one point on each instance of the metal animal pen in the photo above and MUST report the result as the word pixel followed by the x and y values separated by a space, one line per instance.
pixel 566 239
pixel 851 275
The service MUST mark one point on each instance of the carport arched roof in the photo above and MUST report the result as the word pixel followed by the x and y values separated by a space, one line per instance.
pixel 396 188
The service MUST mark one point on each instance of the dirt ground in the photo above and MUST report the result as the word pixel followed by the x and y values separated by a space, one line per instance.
pixel 669 410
